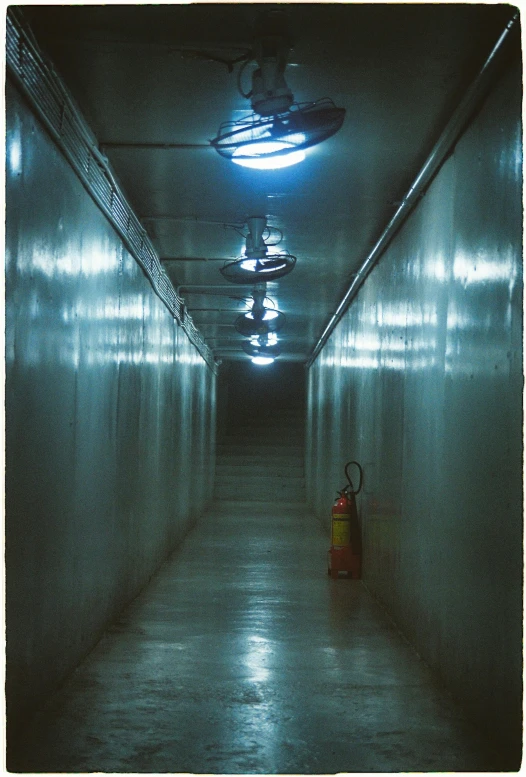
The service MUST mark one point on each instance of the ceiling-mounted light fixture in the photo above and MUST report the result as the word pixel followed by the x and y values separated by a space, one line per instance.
pixel 257 264
pixel 261 350
pixel 279 131
pixel 260 320
pixel 270 338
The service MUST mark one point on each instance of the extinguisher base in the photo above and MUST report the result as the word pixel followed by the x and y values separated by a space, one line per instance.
pixel 343 561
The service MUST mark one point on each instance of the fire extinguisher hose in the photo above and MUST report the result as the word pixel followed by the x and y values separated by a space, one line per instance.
pixel 349 479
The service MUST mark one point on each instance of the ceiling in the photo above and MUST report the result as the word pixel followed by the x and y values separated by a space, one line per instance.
pixel 140 77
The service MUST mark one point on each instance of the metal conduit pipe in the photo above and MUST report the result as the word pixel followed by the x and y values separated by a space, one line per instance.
pixel 56 84
pixel 197 286
pixel 228 286
pixel 154 146
pixel 446 141
pixel 193 220
pixel 39 82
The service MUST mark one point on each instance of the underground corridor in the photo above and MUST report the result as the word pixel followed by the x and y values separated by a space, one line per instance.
pixel 263 389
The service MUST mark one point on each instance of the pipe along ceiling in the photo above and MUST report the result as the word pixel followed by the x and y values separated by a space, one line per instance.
pixel 277 149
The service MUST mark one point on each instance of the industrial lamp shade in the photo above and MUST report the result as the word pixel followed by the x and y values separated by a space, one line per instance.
pixel 250 324
pixel 254 138
pixel 253 349
pixel 268 268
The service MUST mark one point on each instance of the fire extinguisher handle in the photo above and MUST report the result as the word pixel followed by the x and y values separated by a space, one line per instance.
pixel 349 479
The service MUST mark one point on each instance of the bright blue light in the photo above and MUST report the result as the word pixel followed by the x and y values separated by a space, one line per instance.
pixel 262 360
pixel 250 264
pixel 272 339
pixel 15 156
pixel 267 161
pixel 269 315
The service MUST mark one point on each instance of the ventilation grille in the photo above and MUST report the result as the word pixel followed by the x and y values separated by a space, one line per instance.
pixel 303 126
pixel 48 96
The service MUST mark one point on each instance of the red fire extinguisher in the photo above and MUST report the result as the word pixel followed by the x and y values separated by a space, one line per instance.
pixel 345 554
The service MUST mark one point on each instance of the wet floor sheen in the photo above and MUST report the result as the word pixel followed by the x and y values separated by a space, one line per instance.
pixel 243 656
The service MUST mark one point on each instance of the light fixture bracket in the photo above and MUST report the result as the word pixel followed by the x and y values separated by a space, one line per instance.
pixel 272 42
pixel 260 320
pixel 258 264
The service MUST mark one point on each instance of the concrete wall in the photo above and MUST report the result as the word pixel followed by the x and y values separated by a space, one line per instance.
pixel 421 382
pixel 110 420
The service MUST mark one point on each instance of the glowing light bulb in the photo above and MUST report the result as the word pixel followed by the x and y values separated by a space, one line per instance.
pixel 262 360
pixel 269 315
pixel 251 265
pixel 262 155
pixel 248 264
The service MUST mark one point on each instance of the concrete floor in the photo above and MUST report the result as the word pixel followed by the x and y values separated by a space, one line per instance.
pixel 243 656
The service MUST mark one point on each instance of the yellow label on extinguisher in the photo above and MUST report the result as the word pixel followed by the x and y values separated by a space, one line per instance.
pixel 341 530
